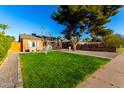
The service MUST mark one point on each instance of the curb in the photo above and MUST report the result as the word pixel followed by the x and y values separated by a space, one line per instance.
pixel 20 81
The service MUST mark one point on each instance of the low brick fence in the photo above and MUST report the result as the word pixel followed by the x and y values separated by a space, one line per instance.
pixel 107 49
pixel 99 49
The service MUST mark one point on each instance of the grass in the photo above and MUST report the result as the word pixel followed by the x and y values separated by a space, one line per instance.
pixel 57 69
pixel 120 50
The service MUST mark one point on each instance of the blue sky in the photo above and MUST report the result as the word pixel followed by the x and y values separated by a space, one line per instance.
pixel 36 19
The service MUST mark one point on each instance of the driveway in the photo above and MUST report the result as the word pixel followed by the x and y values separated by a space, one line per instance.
pixel 9 71
pixel 93 53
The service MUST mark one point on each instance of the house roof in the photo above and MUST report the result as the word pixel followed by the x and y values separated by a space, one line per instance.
pixel 35 37
pixel 47 37
pixel 65 40
pixel 25 36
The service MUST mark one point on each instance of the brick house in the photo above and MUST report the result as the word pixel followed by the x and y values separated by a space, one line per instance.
pixel 33 43
pixel 30 43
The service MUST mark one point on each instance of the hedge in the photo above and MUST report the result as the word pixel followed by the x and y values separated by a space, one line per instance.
pixel 5 43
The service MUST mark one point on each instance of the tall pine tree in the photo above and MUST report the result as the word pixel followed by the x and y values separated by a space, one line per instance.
pixel 84 18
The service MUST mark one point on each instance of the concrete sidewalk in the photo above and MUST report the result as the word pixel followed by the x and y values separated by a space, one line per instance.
pixel 9 71
pixel 111 76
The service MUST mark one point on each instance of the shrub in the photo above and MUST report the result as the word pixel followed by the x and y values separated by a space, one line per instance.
pixel 114 40
pixel 5 43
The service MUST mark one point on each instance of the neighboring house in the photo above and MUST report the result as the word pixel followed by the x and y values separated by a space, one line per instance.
pixel 66 43
pixel 33 43
pixel 30 43
pixel 54 42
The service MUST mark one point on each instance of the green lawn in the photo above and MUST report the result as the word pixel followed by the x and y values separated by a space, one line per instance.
pixel 57 69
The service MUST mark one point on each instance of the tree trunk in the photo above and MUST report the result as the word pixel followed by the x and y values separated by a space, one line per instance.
pixel 93 36
pixel 74 47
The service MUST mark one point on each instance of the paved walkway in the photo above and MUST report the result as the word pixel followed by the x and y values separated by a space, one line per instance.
pixel 9 72
pixel 111 76
pixel 93 53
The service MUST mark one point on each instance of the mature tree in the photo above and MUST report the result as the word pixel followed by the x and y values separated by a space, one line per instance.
pixel 89 19
pixel 73 18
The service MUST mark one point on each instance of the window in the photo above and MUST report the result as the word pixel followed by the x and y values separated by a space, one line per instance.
pixel 33 43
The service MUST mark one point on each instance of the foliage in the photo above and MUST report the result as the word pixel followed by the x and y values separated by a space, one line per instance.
pixel 70 17
pixel 99 16
pixel 5 42
pixel 58 69
pixel 114 40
